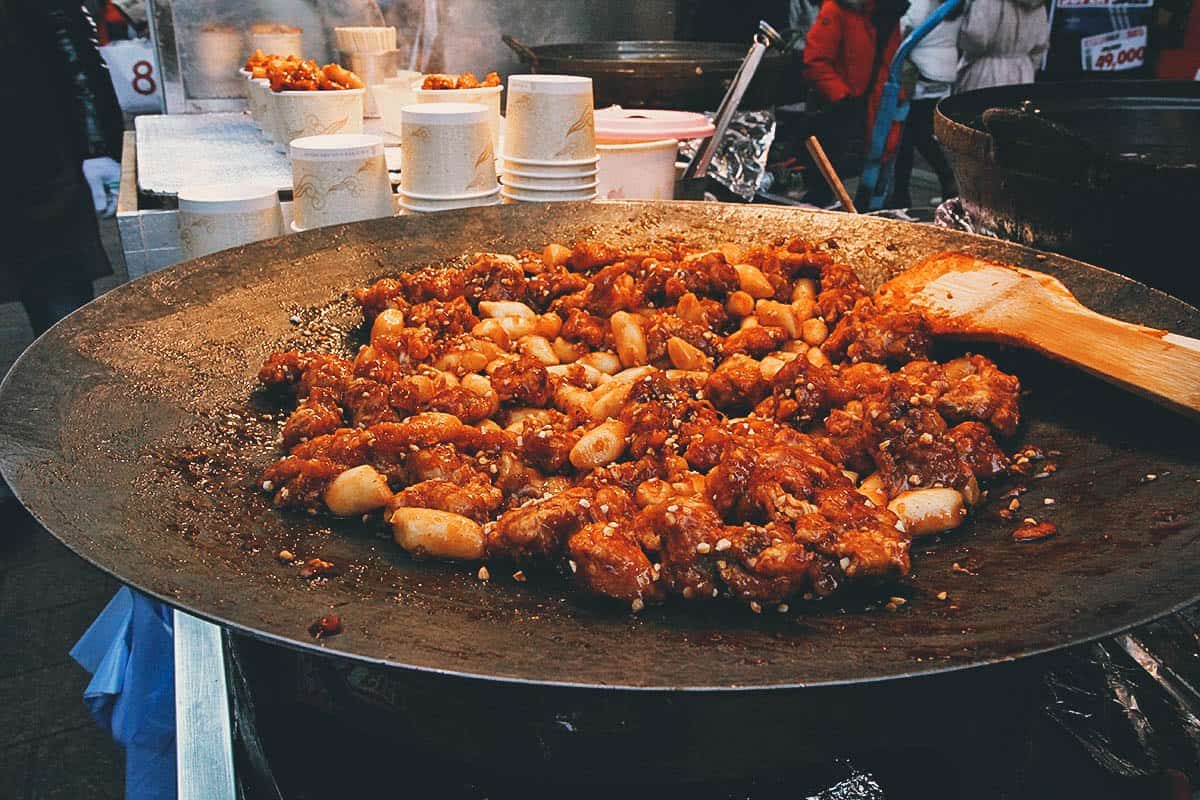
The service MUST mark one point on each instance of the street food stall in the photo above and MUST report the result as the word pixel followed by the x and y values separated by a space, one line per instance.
pixel 458 454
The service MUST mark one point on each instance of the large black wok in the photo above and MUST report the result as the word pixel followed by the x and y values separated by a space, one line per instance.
pixel 134 433
pixel 676 75
pixel 1106 172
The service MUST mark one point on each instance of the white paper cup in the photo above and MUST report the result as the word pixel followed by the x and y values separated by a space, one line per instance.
pixel 485 95
pixel 339 178
pixel 390 98
pixel 550 118
pixel 218 217
pixel 409 203
pixel 416 196
pixel 573 167
pixel 534 174
pixel 446 149
pixel 586 185
pixel 287 43
pixel 528 196
pixel 642 171
pixel 258 99
pixel 218 53
pixel 405 78
pixel 320 113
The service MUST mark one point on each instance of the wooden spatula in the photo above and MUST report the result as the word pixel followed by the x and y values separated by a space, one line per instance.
pixel 965 296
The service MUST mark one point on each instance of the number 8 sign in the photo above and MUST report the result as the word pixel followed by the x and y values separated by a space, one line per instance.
pixel 143 77
pixel 131 67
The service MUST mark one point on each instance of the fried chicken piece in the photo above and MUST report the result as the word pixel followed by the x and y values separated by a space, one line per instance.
pixel 689 529
pixel 589 255
pixel 540 530
pixel 348 447
pixel 736 385
pixel 551 283
pixel 300 482
pixel 978 450
pixel 866 535
pixel 608 562
pixel 840 291
pixel 755 342
pixel 494 277
pixel 524 381
pixel 707 275
pixel 443 317
pixel 593 331
pixel 317 414
pixel 368 403
pixel 869 334
pixel 335 76
pixel 476 499
pixel 439 81
pixel 765 565
pixel 979 390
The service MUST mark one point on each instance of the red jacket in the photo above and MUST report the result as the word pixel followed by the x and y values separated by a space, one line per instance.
pixel 839 52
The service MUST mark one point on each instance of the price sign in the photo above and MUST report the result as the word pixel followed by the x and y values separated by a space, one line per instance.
pixel 1109 52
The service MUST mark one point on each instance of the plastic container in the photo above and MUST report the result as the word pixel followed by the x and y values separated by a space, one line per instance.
pixel 641 171
pixel 616 125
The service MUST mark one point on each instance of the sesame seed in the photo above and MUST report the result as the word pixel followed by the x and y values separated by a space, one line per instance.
pixel 672 508
pixel 703 547
pixel 723 544
pixel 914 479
pixel 1029 521
pixel 1049 501
pixel 585 503
pixel 604 508
pixel 573 566
pixel 941 595
pixel 483 574
pixel 755 607
pixel 519 576
pixel 267 486
pixel 1014 504
pixel 844 563
pixel 286 555
pixel 637 605
pixel 782 608
pixel 926 438
pixel 1150 476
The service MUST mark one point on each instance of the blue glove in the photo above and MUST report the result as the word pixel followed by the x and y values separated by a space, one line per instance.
pixel 129 650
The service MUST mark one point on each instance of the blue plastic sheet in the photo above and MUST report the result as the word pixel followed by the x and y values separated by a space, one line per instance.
pixel 129 650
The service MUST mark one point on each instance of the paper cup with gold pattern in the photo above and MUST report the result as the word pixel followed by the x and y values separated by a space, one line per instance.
pixel 258 99
pixel 550 118
pixel 484 95
pixel 446 149
pixel 339 178
pixel 280 40
pixel 217 217
pixel 320 113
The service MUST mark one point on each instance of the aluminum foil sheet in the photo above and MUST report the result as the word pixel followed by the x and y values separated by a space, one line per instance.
pixel 177 150
pixel 953 214
pixel 741 161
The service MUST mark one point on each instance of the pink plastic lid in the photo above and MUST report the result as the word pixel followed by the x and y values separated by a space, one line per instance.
pixel 616 125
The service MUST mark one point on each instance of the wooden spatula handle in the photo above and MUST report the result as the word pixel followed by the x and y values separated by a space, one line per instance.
pixel 1165 368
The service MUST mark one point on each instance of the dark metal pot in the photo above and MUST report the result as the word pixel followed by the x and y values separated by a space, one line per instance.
pixel 682 76
pixel 1103 172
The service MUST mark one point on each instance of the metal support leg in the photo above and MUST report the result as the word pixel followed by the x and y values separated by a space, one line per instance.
pixel 203 735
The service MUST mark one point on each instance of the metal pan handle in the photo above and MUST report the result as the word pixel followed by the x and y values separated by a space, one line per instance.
pixel 523 51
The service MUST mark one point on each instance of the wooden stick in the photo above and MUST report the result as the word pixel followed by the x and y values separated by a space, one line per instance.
pixel 830 174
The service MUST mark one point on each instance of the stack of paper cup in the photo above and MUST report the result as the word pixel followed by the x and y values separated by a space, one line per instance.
pixel 213 218
pixel 549 140
pixel 485 95
pixel 337 179
pixel 319 113
pixel 446 157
